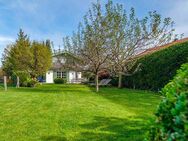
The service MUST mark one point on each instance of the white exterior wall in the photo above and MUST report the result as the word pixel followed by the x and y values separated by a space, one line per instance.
pixel 49 77
pixel 71 76
pixel 79 75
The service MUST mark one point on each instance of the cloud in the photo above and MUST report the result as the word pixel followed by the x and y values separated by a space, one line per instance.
pixel 5 39
pixel 42 19
pixel 21 6
pixel 178 12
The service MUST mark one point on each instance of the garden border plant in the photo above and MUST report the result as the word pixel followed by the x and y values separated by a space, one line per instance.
pixel 60 81
pixel 172 113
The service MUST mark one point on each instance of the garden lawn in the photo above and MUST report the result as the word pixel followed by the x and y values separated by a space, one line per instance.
pixel 75 113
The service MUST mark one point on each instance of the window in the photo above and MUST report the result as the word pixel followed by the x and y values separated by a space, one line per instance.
pixel 61 74
pixel 64 74
pixel 58 74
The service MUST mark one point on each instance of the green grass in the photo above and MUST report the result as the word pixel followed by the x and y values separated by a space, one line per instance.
pixel 75 112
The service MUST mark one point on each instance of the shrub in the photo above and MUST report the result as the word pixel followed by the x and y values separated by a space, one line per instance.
pixel 114 81
pixel 38 84
pixel 172 113
pixel 24 77
pixel 59 81
pixel 9 81
pixel 24 84
pixel 30 83
pixel 158 68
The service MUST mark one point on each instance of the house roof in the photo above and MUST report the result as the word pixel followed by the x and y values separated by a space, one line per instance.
pixel 158 48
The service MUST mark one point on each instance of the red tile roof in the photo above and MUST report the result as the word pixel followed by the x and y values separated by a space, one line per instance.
pixel 155 49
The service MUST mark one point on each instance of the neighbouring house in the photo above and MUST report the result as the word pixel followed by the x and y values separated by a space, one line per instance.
pixel 58 70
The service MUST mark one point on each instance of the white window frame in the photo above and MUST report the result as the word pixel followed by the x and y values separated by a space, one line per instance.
pixel 61 74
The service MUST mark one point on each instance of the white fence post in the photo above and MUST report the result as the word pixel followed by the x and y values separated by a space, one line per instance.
pixel 5 83
pixel 18 82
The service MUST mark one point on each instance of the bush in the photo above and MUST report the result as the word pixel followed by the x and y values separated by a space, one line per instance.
pixel 59 81
pixel 114 81
pixel 38 84
pixel 9 81
pixel 30 83
pixel 158 68
pixel 172 113
pixel 23 76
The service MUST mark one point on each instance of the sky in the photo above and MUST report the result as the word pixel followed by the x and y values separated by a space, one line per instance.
pixel 54 19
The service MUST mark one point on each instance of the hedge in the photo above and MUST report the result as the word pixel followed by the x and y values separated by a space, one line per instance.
pixel 172 114
pixel 60 81
pixel 158 68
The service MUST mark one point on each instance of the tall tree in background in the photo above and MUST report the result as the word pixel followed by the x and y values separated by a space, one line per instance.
pixel 21 56
pixel 48 44
pixel 42 58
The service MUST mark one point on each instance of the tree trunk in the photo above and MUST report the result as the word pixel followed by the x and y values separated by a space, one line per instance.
pixel 18 82
pixel 97 82
pixel 120 80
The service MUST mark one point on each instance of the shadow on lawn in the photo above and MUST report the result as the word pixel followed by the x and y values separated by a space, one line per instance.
pixel 53 138
pixel 38 90
pixel 145 100
pixel 51 90
pixel 113 129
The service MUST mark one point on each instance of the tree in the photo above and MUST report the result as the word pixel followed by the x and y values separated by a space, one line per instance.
pixel 42 58
pixel 20 56
pixel 131 35
pixel 48 44
pixel 7 67
pixel 27 59
pixel 89 45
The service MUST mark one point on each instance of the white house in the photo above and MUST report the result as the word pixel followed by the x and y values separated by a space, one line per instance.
pixel 59 71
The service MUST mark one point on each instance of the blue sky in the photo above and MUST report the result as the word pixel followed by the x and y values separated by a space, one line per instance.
pixel 54 19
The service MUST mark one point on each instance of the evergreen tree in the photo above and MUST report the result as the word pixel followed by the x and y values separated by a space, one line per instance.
pixel 48 45
pixel 21 56
pixel 7 66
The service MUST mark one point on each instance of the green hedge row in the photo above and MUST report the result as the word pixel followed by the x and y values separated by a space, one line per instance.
pixel 60 81
pixel 158 68
pixel 172 114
